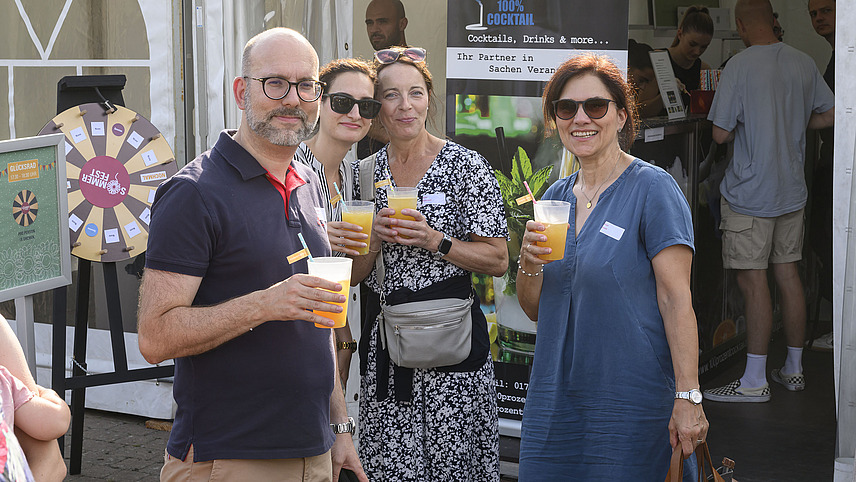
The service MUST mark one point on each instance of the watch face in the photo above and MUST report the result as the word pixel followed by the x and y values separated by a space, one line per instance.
pixel 695 396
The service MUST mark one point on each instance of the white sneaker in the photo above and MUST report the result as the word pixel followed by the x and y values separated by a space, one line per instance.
pixel 822 343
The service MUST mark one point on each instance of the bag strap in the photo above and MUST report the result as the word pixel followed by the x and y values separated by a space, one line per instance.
pixel 703 456
pixel 367 168
pixel 676 466
pixel 367 193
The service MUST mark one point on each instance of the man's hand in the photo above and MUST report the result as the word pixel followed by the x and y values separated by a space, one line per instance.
pixel 344 455
pixel 296 298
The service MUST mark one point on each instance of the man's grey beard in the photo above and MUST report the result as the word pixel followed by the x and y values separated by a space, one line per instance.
pixel 279 137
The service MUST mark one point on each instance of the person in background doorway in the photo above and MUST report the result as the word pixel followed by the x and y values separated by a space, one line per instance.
pixel 385 24
pixel 822 13
pixel 764 190
pixel 640 74
pixel 695 33
pixel 256 387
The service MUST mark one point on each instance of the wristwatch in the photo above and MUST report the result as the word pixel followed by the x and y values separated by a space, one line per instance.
pixel 694 396
pixel 444 247
pixel 347 427
pixel 347 345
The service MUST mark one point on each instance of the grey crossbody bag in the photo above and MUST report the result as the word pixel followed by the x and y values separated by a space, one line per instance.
pixel 420 334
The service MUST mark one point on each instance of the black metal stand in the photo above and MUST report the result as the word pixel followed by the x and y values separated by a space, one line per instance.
pixel 80 379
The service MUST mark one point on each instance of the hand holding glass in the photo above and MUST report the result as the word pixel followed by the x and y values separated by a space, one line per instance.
pixel 554 216
pixel 399 198
pixel 337 270
pixel 360 213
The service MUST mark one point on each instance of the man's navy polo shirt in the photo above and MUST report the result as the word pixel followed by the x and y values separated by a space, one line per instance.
pixel 266 393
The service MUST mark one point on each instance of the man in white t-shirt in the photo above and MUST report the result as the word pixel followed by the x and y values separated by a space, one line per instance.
pixel 768 95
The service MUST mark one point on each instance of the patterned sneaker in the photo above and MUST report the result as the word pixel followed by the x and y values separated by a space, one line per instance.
pixel 733 393
pixel 794 383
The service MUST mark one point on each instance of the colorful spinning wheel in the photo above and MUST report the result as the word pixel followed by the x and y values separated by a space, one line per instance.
pixel 25 207
pixel 114 163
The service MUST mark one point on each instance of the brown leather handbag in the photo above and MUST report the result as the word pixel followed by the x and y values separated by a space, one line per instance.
pixel 676 468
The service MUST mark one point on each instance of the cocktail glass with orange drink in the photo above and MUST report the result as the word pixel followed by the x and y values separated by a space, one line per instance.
pixel 360 213
pixel 554 216
pixel 337 270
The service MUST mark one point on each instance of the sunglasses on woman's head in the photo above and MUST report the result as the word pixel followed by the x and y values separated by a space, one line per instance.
pixel 390 55
pixel 595 108
pixel 343 103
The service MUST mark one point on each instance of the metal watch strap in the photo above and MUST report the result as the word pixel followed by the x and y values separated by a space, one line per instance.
pixel 347 345
pixel 347 427
pixel 693 396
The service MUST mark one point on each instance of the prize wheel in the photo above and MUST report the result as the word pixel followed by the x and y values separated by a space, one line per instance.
pixel 114 163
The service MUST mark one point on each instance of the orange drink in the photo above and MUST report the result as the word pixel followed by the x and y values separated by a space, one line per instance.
pixel 338 270
pixel 360 213
pixel 554 216
pixel 399 198
pixel 339 319
pixel 556 236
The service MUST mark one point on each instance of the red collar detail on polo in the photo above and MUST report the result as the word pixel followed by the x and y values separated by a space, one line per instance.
pixel 292 180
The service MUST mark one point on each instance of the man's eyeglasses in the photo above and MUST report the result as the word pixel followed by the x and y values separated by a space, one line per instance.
pixel 390 55
pixel 343 103
pixel 276 88
pixel 595 108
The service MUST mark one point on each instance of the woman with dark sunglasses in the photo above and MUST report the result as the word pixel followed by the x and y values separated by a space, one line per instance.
pixel 440 423
pixel 347 110
pixel 614 384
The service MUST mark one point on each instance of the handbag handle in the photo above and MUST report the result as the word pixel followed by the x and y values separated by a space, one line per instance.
pixel 676 465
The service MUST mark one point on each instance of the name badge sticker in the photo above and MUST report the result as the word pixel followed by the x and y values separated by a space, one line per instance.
pixel 434 198
pixel 297 256
pixel 321 215
pixel 611 230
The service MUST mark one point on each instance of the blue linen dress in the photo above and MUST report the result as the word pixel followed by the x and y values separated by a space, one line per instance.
pixel 602 386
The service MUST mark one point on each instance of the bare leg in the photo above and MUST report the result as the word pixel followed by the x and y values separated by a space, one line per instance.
pixel 759 309
pixel 44 457
pixel 793 302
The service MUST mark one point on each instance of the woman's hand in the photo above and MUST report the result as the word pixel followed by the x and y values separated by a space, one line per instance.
pixel 345 237
pixel 406 232
pixel 529 251
pixel 415 233
pixel 688 426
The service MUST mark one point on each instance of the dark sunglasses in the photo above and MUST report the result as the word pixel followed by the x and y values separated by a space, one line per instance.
pixel 595 108
pixel 390 55
pixel 343 103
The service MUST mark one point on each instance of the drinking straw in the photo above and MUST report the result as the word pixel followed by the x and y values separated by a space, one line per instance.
pixel 303 242
pixel 337 189
pixel 530 192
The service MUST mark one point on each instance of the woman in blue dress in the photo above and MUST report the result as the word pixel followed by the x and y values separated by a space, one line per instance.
pixel 614 384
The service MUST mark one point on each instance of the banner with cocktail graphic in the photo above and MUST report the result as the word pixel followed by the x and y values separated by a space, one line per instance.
pixel 499 56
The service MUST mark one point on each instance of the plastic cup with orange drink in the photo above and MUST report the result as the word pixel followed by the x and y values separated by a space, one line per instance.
pixel 554 216
pixel 360 213
pixel 337 270
pixel 399 198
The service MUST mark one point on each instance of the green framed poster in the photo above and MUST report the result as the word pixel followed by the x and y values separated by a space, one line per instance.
pixel 34 240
